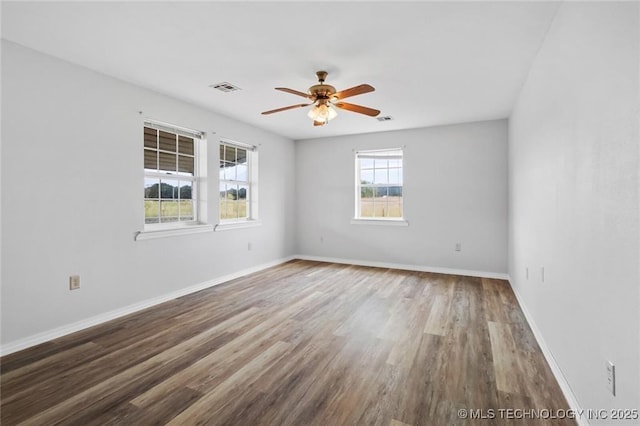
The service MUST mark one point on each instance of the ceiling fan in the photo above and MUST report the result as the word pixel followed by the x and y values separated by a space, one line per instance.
pixel 324 97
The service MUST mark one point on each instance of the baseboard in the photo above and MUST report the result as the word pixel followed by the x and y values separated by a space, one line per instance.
pixel 548 355
pixel 58 332
pixel 64 330
pixel 117 313
pixel 419 268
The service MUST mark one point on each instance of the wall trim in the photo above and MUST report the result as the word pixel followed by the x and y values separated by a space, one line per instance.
pixel 548 355
pixel 64 330
pixel 117 313
pixel 419 268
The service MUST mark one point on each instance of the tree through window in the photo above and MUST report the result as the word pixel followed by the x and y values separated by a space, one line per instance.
pixel 379 184
pixel 238 176
pixel 170 174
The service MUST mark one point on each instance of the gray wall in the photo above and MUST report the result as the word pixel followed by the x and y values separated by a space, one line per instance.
pixel 574 206
pixel 71 197
pixel 455 191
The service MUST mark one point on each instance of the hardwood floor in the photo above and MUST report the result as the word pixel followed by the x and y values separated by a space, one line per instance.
pixel 301 343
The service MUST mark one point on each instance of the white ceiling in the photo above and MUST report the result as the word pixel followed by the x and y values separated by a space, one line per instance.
pixel 431 62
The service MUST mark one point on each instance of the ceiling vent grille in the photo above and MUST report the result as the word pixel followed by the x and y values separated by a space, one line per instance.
pixel 225 87
pixel 384 118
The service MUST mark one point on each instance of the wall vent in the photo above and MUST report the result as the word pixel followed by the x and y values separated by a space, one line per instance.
pixel 225 87
pixel 384 118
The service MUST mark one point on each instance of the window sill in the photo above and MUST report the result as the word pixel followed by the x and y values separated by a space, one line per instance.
pixel 227 226
pixel 380 222
pixel 172 232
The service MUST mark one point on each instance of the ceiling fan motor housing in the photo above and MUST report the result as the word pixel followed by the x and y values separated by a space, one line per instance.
pixel 321 92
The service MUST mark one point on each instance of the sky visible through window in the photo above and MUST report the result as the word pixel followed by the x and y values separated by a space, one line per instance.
pixel 379 184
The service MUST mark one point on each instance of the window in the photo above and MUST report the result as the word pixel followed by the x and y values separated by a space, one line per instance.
pixel 379 185
pixel 238 182
pixel 170 176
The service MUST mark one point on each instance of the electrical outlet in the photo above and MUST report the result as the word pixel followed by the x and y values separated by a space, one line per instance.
pixel 249 246
pixel 74 282
pixel 611 377
pixel 542 273
pixel 458 247
pixel 526 273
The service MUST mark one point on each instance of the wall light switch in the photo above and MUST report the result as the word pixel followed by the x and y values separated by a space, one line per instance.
pixel 74 282
pixel 611 378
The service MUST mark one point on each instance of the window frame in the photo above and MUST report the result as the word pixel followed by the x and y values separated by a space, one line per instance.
pixel 358 219
pixel 197 180
pixel 252 218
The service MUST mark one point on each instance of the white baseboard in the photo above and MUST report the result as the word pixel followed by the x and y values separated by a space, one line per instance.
pixel 107 316
pixel 57 332
pixel 64 330
pixel 419 268
pixel 555 368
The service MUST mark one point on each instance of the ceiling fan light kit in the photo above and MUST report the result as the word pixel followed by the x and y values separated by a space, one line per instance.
pixel 322 113
pixel 324 98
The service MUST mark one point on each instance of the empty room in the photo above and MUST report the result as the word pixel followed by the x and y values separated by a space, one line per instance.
pixel 320 213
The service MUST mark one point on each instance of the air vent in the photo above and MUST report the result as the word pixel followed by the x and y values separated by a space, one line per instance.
pixel 384 118
pixel 225 87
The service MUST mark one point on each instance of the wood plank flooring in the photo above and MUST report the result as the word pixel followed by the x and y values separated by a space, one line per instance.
pixel 303 343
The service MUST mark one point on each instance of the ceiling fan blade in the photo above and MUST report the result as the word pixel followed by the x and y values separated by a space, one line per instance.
pixel 353 91
pixel 358 108
pixel 319 123
pixel 294 92
pixel 285 108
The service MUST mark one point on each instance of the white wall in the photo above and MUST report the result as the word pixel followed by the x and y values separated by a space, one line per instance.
pixel 455 190
pixel 573 198
pixel 71 197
